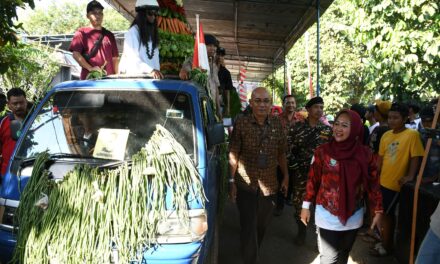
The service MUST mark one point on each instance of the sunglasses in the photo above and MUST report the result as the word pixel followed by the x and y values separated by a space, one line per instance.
pixel 152 13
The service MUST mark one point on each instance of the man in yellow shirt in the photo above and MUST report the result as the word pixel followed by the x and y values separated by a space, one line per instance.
pixel 399 156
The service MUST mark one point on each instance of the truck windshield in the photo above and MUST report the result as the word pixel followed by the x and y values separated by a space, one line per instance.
pixel 107 124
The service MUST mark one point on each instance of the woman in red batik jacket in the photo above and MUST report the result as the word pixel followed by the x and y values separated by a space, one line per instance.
pixel 341 172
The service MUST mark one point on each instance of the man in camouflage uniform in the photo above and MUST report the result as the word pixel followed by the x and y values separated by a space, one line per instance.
pixel 304 138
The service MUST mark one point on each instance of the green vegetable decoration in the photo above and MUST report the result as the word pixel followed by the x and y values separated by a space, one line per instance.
pixel 97 74
pixel 200 77
pixel 95 215
pixel 235 105
pixel 176 40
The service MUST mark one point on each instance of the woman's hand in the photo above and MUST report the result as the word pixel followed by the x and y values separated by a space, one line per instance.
pixel 305 216
pixel 156 74
pixel 377 222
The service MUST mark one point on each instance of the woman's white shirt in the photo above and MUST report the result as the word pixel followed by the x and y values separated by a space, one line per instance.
pixel 324 219
pixel 134 58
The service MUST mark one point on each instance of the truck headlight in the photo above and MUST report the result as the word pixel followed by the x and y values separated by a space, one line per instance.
pixel 175 230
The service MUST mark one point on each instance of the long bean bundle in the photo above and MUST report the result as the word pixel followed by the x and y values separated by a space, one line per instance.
pixel 93 213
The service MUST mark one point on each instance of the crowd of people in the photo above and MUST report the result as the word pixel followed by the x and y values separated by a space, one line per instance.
pixel 348 173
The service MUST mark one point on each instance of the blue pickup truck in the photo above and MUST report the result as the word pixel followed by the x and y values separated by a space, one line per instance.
pixel 64 123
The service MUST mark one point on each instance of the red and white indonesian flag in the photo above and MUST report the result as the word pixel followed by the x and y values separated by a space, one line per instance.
pixel 200 58
pixel 241 89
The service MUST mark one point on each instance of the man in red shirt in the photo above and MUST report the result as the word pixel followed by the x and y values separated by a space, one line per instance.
pixel 17 104
pixel 106 54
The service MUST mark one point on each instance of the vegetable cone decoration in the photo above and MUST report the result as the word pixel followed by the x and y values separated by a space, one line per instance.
pixel 97 215
pixel 176 40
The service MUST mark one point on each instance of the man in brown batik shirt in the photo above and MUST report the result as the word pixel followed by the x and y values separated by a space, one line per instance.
pixel 257 146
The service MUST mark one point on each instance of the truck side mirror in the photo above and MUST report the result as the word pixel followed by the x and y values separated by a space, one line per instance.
pixel 15 127
pixel 215 134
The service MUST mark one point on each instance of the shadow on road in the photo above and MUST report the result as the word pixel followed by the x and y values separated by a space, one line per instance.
pixel 278 246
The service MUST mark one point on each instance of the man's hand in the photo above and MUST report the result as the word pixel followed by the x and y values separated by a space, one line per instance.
pixel 284 186
pixel 156 74
pixel 95 68
pixel 183 74
pixel 305 216
pixel 232 192
pixel 404 180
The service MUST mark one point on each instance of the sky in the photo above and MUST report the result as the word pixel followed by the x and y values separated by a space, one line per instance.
pixel 42 3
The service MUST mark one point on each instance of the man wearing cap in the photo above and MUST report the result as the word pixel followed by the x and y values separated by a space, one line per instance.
pixel 381 115
pixel 305 137
pixel 213 81
pixel 95 47
pixel 141 43
pixel 224 77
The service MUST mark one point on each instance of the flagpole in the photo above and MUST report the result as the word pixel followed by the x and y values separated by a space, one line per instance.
pixel 198 30
pixel 317 48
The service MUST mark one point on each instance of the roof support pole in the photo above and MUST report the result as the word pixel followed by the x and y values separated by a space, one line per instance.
pixel 273 81
pixel 285 70
pixel 317 48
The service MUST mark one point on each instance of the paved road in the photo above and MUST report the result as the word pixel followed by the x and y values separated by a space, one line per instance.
pixel 278 246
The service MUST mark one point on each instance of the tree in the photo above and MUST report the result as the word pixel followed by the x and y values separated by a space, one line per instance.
pixel 32 68
pixel 67 17
pixel 402 42
pixel 341 77
pixel 371 49
pixel 8 12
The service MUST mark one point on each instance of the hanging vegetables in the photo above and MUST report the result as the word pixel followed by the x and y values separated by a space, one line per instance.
pixel 176 40
pixel 175 46
pixel 200 77
pixel 95 215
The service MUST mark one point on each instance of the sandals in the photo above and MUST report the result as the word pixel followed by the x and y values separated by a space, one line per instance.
pixel 378 251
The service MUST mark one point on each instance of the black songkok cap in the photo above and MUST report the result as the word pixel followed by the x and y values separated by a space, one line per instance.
pixel 94 5
pixel 314 100
pixel 210 40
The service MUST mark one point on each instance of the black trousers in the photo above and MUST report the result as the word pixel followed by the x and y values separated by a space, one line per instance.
pixel 335 246
pixel 256 212
pixel 280 196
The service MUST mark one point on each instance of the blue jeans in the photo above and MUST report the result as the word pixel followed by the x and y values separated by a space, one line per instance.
pixel 429 251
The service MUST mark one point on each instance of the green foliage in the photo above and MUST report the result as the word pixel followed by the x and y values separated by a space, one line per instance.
pixel 175 46
pixel 401 41
pixel 340 64
pixel 8 12
pixel 67 17
pixel 32 68
pixel 371 49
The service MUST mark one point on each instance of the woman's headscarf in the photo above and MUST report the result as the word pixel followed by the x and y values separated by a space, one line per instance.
pixel 353 161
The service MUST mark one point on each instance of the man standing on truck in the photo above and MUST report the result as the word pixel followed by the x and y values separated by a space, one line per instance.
pixel 17 104
pixel 213 81
pixel 94 47
pixel 224 77
pixel 257 146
